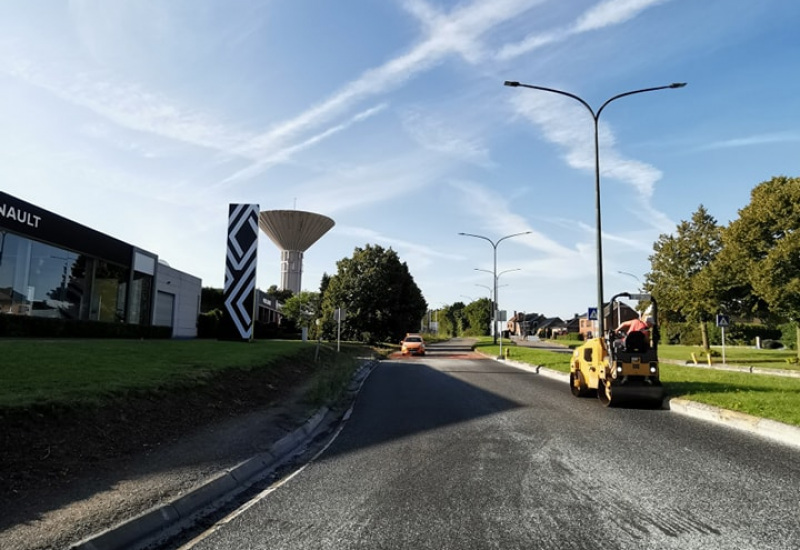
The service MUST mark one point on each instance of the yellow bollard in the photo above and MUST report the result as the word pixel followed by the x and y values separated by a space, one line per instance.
pixel 694 358
pixel 709 359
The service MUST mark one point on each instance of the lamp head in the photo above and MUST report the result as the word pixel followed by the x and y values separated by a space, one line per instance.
pixel 511 83
pixel 677 85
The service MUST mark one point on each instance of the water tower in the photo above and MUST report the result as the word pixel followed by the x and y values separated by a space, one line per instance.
pixel 293 231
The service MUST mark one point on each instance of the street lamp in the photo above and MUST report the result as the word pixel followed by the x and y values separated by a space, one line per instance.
pixel 596 117
pixel 494 246
pixel 631 275
pixel 496 286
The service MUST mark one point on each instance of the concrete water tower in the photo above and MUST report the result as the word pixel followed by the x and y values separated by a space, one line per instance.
pixel 293 231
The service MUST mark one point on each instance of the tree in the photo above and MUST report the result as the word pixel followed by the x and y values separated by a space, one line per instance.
pixel 677 265
pixel 765 241
pixel 479 317
pixel 211 299
pixel 452 319
pixel 281 295
pixel 381 299
pixel 303 309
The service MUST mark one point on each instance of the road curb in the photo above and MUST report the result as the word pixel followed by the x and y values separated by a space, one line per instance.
pixel 161 522
pixel 770 429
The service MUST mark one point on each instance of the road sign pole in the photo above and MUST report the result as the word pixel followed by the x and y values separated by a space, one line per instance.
pixel 723 345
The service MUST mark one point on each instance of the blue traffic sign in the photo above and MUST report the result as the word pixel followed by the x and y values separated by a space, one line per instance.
pixel 723 320
pixel 592 314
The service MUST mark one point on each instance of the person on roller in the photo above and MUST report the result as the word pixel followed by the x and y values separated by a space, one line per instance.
pixel 637 334
pixel 637 325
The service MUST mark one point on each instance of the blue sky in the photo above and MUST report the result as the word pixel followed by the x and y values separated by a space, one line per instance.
pixel 145 119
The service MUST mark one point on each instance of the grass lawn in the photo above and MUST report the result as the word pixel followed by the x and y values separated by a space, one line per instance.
pixel 75 371
pixel 734 355
pixel 775 397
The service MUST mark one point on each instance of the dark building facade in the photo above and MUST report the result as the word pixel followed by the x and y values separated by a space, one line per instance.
pixel 53 267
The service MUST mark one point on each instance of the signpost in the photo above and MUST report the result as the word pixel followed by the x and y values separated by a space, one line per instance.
pixel 339 315
pixel 592 316
pixel 723 321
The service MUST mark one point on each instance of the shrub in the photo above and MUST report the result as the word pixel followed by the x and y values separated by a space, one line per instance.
pixel 25 326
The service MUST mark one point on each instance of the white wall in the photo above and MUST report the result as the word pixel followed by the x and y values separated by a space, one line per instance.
pixel 186 290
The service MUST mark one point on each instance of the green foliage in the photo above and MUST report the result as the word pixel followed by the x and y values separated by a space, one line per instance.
pixel 766 236
pixel 789 335
pixel 478 316
pixel 280 295
pixel 26 326
pixel 211 299
pixel 677 279
pixel 208 323
pixel 381 299
pixel 303 309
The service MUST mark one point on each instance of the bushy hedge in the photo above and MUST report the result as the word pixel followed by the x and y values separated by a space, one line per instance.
pixel 209 325
pixel 741 334
pixel 25 326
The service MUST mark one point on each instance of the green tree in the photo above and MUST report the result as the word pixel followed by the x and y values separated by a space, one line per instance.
pixel 452 320
pixel 282 295
pixel 303 310
pixel 479 317
pixel 764 245
pixel 211 299
pixel 381 299
pixel 677 265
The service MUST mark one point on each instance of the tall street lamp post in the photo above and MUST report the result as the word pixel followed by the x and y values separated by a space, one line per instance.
pixel 596 117
pixel 494 247
pixel 498 286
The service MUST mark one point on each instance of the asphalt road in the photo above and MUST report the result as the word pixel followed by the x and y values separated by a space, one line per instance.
pixel 452 451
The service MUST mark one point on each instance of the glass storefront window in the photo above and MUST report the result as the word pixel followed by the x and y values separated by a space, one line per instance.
pixel 39 280
pixel 45 281
pixel 109 293
pixel 141 298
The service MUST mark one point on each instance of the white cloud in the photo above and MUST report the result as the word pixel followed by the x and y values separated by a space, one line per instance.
pixel 436 134
pixel 602 15
pixel 612 12
pixel 571 126
pixel 759 139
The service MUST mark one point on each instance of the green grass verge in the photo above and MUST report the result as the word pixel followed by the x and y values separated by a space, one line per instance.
pixel 88 371
pixel 774 397
pixel 734 355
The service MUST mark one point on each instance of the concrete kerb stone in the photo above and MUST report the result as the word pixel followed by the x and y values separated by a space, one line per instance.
pixel 162 521
pixel 771 429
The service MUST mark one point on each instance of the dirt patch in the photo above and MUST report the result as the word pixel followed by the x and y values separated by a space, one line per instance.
pixel 67 473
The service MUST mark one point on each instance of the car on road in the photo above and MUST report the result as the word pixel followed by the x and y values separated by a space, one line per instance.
pixel 412 344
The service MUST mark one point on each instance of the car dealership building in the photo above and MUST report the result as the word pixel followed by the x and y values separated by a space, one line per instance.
pixel 54 267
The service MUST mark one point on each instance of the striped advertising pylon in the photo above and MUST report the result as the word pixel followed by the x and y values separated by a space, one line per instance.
pixel 240 272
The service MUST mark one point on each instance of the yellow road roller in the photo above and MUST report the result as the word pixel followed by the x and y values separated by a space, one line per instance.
pixel 620 368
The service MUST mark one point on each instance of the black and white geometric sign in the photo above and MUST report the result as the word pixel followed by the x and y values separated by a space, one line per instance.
pixel 240 271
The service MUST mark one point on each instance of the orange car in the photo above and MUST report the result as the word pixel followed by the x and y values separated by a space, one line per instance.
pixel 412 344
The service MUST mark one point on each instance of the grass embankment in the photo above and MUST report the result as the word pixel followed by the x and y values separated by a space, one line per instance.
pixel 75 372
pixel 763 395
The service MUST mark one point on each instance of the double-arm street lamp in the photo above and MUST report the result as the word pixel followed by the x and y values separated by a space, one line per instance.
pixel 494 272
pixel 596 117
pixel 496 287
